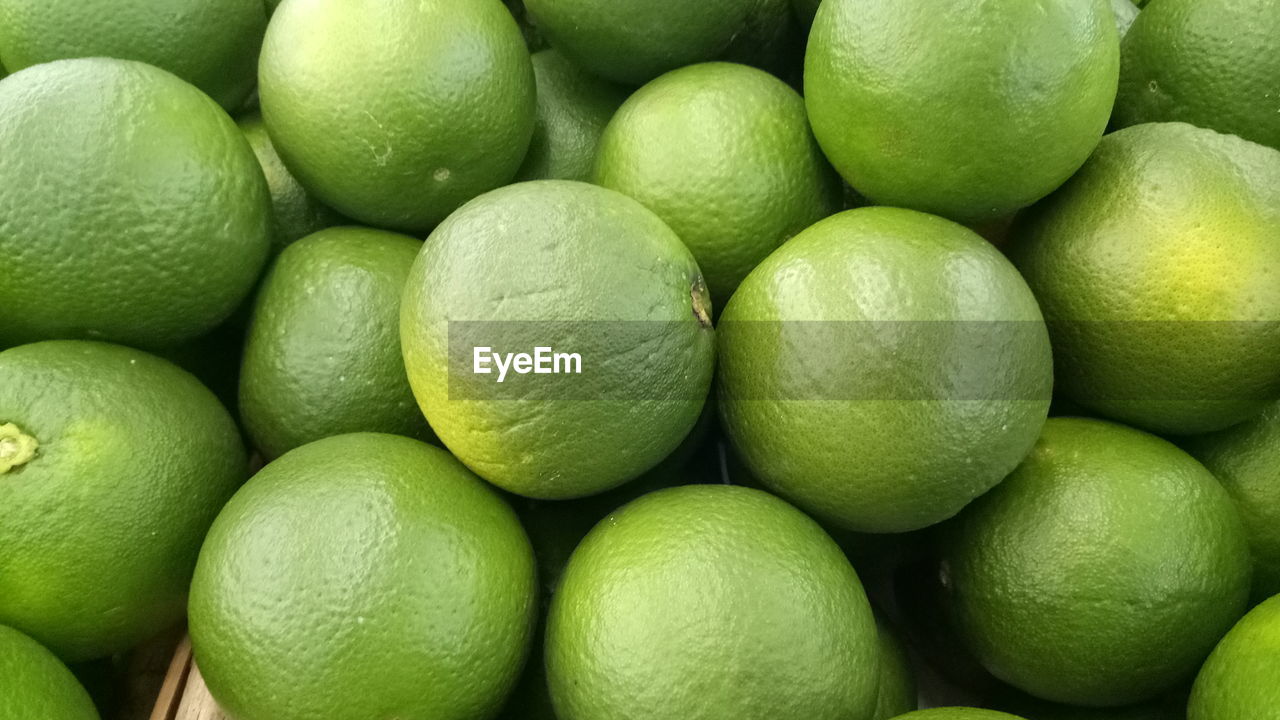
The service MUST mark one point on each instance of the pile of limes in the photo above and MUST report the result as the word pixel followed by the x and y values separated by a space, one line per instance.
pixel 644 359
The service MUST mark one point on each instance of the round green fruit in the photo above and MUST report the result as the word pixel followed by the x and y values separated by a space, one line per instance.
pixel 1238 681
pixel 724 155
pixel 1246 460
pixel 577 270
pixel 1211 63
pixel 323 351
pixel 295 213
pixel 1156 270
pixel 35 684
pixel 573 109
pixel 896 693
pixel 711 602
pixel 363 576
pixel 634 41
pixel 396 112
pixel 133 210
pixel 883 368
pixel 113 464
pixel 971 112
pixel 1110 546
pixel 212 44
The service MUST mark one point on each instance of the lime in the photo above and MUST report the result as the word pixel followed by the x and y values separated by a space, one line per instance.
pixel 723 153
pixel 897 688
pixel 971 113
pixel 1210 63
pixel 132 208
pixel 708 602
pixel 1246 460
pixel 113 463
pixel 323 352
pixel 1155 267
pixel 573 109
pixel 212 44
pixel 634 41
pixel 35 684
pixel 582 272
pixel 882 369
pixel 363 576
pixel 1238 682
pixel 295 213
pixel 1102 571
pixel 1172 707
pixel 395 113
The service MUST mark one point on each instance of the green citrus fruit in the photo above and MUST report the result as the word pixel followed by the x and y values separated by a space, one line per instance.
pixel 882 369
pixel 397 112
pixel 323 351
pixel 556 527
pixel 132 208
pixel 1238 681
pixel 896 693
pixel 212 44
pixel 581 271
pixel 363 576
pixel 987 108
pixel 35 684
pixel 1211 63
pixel 1102 571
pixel 295 213
pixel 1246 460
pixel 573 109
pixel 723 153
pixel 708 602
pixel 634 41
pixel 956 714
pixel 1173 707
pixel 113 463
pixel 1161 248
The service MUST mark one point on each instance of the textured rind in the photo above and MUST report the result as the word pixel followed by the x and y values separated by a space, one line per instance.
pixel 100 531
pixel 1246 460
pixel 711 602
pixel 1102 571
pixel 131 208
pixel 579 263
pixel 35 684
pixel 322 356
pixel 395 112
pixel 832 420
pixel 573 109
pixel 970 109
pixel 1156 268
pixel 1238 681
pixel 212 44
pixel 363 576
pixel 722 153
pixel 1211 63
pixel 295 213
pixel 634 41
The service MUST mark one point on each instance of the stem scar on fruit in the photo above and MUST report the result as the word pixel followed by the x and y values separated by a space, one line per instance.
pixel 16 447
